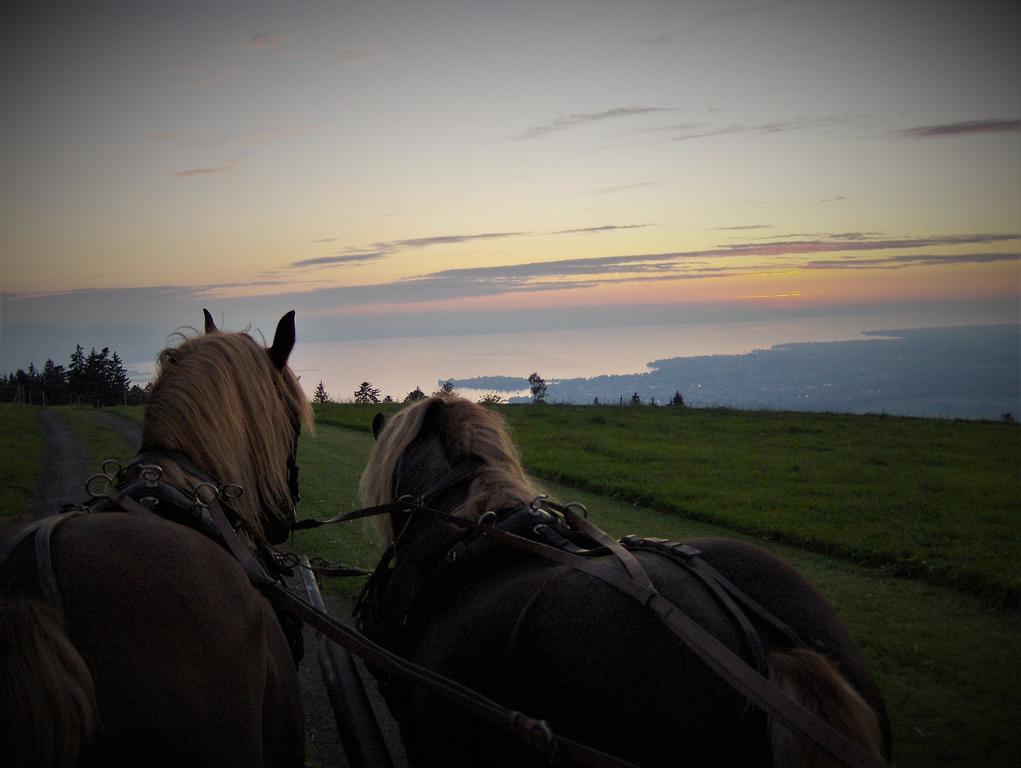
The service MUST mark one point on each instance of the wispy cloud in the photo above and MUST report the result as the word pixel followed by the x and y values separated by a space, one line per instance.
pixel 203 171
pixel 620 188
pixel 584 118
pixel 382 249
pixel 913 260
pixel 344 259
pixel 741 227
pixel 425 242
pixel 824 253
pixel 268 40
pixel 965 128
pixel 603 228
pixel 777 126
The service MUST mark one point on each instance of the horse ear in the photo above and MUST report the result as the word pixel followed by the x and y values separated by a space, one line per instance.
pixel 283 341
pixel 378 422
pixel 210 325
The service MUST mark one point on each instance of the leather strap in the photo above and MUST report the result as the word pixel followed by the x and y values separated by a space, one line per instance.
pixel 728 665
pixel 535 733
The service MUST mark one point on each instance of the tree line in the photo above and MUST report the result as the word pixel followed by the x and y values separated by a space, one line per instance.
pixel 367 393
pixel 97 378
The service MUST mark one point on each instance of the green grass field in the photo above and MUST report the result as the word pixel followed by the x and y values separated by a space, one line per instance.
pixel 935 500
pixel 21 447
pixel 948 661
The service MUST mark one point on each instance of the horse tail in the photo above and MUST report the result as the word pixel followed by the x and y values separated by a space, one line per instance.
pixel 47 695
pixel 814 682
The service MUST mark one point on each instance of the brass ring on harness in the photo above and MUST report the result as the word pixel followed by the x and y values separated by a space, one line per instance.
pixel 107 480
pixel 200 486
pixel 231 491
pixel 578 505
pixel 111 472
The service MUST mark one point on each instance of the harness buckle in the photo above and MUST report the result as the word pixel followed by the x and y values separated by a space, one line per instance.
pixel 151 473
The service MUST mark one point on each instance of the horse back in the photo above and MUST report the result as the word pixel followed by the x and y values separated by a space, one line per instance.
pixel 560 645
pixel 189 663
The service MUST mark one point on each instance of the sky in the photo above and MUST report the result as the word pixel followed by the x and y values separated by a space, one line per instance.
pixel 410 168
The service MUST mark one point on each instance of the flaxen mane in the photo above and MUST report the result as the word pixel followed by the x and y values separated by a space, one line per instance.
pixel 203 404
pixel 470 432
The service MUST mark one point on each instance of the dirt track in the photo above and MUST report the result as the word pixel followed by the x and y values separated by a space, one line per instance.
pixel 62 480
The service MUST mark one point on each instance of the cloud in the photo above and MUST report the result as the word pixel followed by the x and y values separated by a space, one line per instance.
pixel 913 260
pixel 340 260
pixel 583 118
pixel 621 188
pixel 779 126
pixel 165 306
pixel 386 248
pixel 204 171
pixel 742 227
pixel 268 40
pixel 425 242
pixel 603 228
pixel 965 128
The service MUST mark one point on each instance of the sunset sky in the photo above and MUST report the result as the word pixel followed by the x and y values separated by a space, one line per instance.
pixel 417 165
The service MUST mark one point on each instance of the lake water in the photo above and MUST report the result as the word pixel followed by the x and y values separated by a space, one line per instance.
pixel 398 365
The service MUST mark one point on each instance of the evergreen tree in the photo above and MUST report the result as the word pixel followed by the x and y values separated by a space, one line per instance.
pixel 677 399
pixel 76 373
pixel 54 383
pixel 367 393
pixel 118 381
pixel 320 396
pixel 415 395
pixel 635 399
pixel 137 395
pixel 537 384
pixel 446 389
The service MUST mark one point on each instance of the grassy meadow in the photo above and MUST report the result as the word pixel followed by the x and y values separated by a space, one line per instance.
pixel 931 499
pixel 928 596
pixel 21 447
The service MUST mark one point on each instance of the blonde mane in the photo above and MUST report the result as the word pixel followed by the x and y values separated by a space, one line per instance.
pixel 467 430
pixel 219 400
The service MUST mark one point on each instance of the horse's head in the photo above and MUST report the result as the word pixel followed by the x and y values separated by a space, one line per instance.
pixel 446 452
pixel 233 407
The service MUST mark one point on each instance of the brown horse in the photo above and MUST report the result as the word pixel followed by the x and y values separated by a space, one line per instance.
pixel 548 639
pixel 134 639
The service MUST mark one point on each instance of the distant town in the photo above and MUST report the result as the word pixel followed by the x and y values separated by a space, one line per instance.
pixel 970 372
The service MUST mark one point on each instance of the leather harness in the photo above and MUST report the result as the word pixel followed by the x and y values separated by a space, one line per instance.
pixel 210 517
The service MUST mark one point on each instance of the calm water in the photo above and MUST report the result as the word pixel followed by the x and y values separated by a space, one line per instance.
pixel 398 365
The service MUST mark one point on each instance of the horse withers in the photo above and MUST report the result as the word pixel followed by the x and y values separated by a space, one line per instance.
pixel 136 639
pixel 549 640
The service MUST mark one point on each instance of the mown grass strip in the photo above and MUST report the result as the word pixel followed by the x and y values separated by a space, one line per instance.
pixel 935 500
pixel 100 442
pixel 21 446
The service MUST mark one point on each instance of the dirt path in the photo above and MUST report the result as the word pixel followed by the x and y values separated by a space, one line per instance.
pixel 62 480
pixel 64 470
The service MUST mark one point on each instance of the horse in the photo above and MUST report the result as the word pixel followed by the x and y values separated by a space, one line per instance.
pixel 544 638
pixel 129 635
